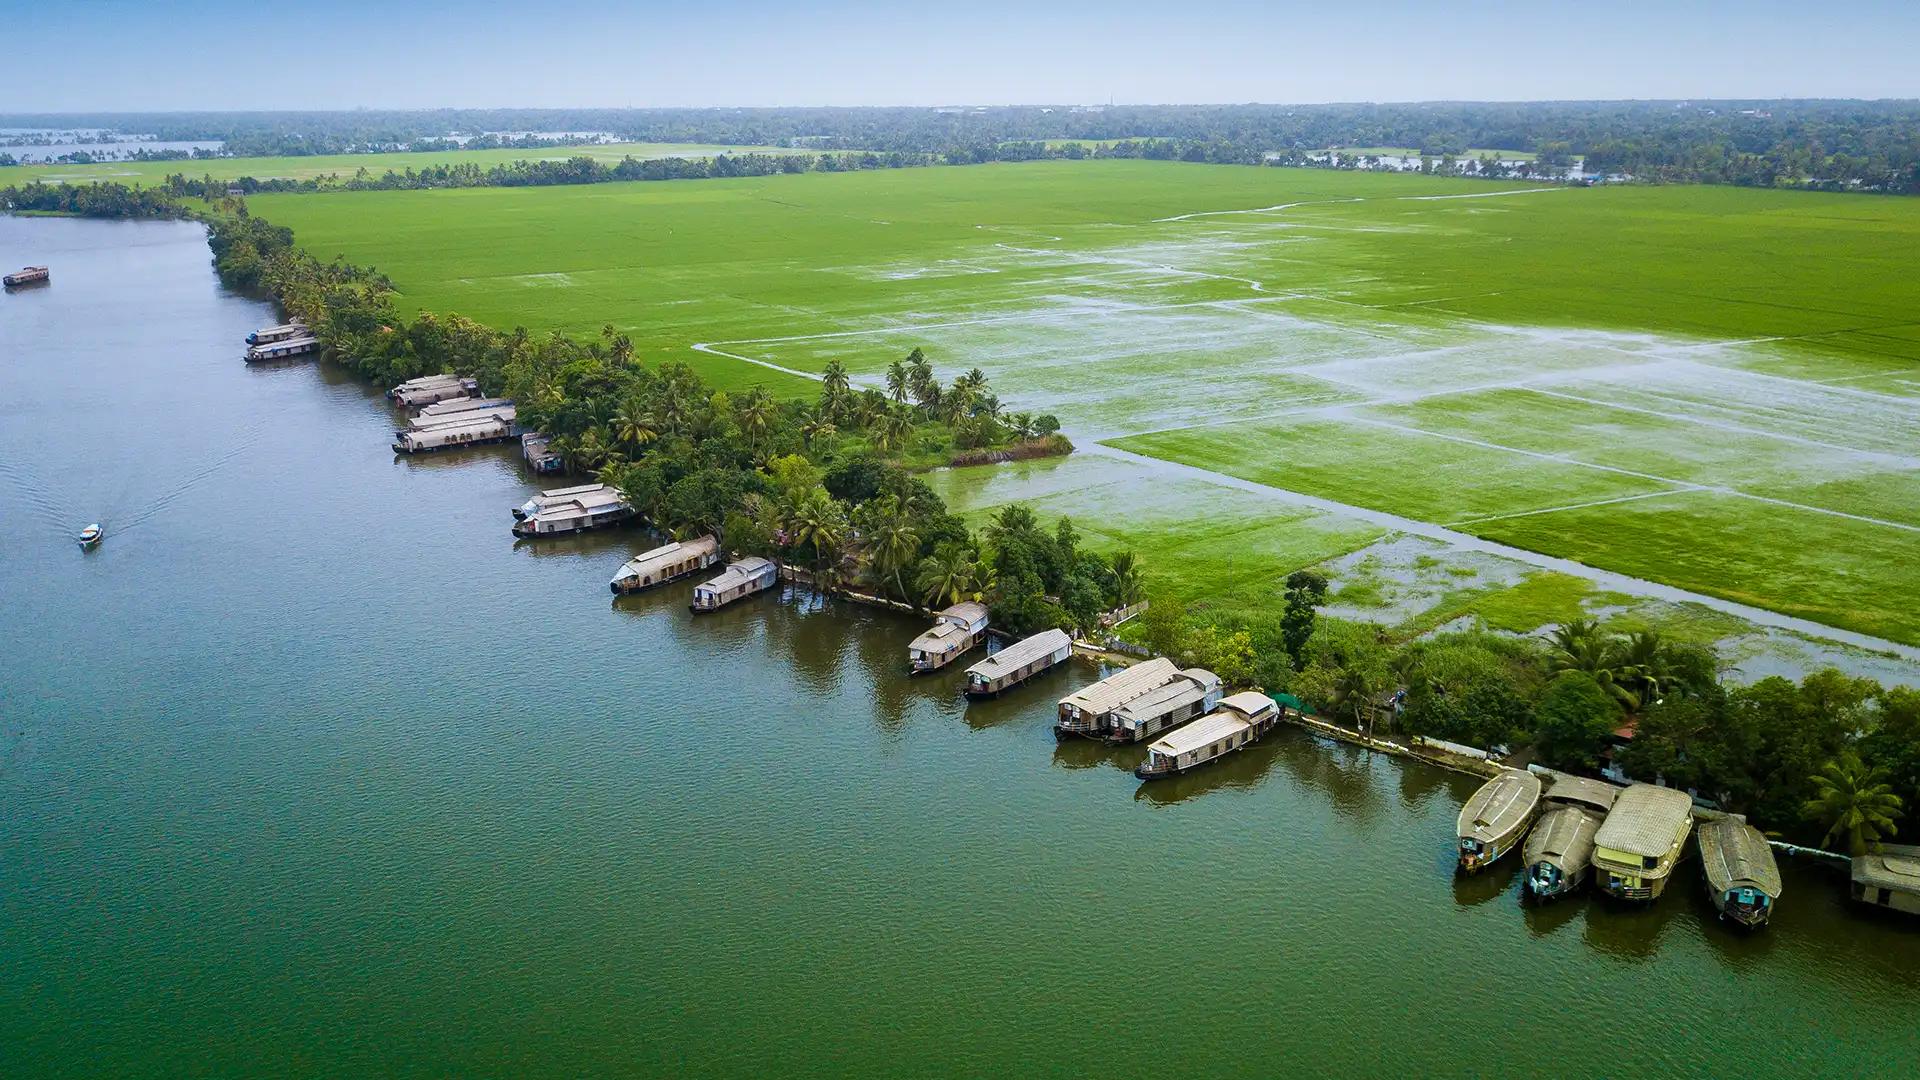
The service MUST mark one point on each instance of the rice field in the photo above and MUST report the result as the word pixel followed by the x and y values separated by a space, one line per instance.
pixel 1710 388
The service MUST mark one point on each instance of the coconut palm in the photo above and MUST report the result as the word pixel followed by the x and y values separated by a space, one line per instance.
pixel 590 452
pixel 1127 586
pixel 893 431
pixel 756 415
pixel 1353 695
pixel 817 426
pixel 834 387
pixel 816 520
pixel 1854 802
pixel 1580 646
pixel 951 574
pixel 892 541
pixel 1646 665
pixel 897 381
pixel 634 425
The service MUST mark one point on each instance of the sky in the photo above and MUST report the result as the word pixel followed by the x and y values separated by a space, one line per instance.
pixel 155 55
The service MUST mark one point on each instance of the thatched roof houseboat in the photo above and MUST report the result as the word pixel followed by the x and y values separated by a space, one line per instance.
pixel 663 564
pixel 1086 711
pixel 1889 878
pixel 285 349
pixel 1559 850
pixel 954 631
pixel 540 457
pixel 268 334
pixel 1190 693
pixel 572 510
pixel 1018 662
pixel 474 428
pixel 742 578
pixel 1636 847
pixel 415 393
pixel 1496 817
pixel 1239 722
pixel 1743 880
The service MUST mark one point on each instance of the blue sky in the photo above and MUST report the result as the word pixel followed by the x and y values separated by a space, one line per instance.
pixel 158 54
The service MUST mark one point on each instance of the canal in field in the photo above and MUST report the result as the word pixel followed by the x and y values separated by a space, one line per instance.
pixel 311 769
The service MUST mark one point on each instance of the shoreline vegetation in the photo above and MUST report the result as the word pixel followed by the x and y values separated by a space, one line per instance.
pixel 827 485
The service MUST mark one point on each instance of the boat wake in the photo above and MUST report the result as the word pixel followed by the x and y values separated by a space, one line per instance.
pixel 200 476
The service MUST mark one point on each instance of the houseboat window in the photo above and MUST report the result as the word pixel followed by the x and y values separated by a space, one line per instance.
pixel 1649 862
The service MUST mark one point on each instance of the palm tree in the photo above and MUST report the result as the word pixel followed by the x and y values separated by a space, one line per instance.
pixel 1127 586
pixel 634 426
pixel 1353 694
pixel 892 540
pixel 817 521
pixel 951 574
pixel 1580 646
pixel 893 431
pixel 897 381
pixel 834 387
pixel 1646 665
pixel 1854 802
pixel 756 415
pixel 591 451
pixel 817 426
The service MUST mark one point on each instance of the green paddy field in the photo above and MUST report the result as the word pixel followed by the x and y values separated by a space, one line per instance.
pixel 1712 388
pixel 346 165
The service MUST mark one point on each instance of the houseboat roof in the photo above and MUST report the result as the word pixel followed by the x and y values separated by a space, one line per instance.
pixel 940 637
pixel 462 404
pixel 282 328
pixel 1894 866
pixel 1596 794
pixel 1248 702
pixel 590 499
pixel 1735 855
pixel 1209 728
pixel 426 382
pixel 1021 653
pixel 1122 686
pixel 670 553
pixel 1501 804
pixel 571 492
pixel 738 573
pixel 1643 821
pixel 1183 689
pixel 502 413
pixel 481 422
pixel 1564 832
pixel 966 611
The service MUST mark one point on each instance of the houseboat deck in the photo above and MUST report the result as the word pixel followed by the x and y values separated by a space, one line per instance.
pixel 954 631
pixel 670 562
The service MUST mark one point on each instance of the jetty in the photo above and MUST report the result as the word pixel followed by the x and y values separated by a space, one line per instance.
pixel 1086 712
pixel 1636 847
pixel 1191 693
pixel 741 578
pixel 1558 854
pixel 284 349
pixel 266 335
pixel 428 389
pixel 1018 662
pixel 954 632
pixel 1743 880
pixel 1889 878
pixel 1238 723
pixel 663 564
pixel 424 434
pixel 1495 818
pixel 535 448
pixel 571 510
pixel 27 275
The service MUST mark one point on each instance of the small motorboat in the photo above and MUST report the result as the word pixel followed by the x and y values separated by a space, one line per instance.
pixel 92 535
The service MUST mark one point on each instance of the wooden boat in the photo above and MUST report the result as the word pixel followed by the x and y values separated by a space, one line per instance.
pixel 571 510
pixel 1018 662
pixel 1889 877
pixel 1496 817
pixel 954 632
pixel 26 275
pixel 1636 847
pixel 664 564
pixel 1743 880
pixel 750 575
pixel 1192 693
pixel 1088 711
pixel 1238 723
pixel 284 349
pixel 1558 853
pixel 92 535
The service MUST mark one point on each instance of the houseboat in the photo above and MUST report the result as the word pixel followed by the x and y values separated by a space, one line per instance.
pixel 1558 853
pixel 1636 847
pixel 664 564
pixel 539 455
pixel 1193 692
pixel 1087 711
pixel 415 393
pixel 26 275
pixel 1018 662
pixel 954 632
pixel 92 535
pixel 1239 722
pixel 267 335
pixel 1496 817
pixel 1889 878
pixel 741 578
pixel 455 405
pixel 480 426
pixel 571 510
pixel 285 349
pixel 1743 880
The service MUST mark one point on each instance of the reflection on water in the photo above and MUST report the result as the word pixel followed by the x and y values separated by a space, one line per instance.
pixel 1472 890
pixel 1240 770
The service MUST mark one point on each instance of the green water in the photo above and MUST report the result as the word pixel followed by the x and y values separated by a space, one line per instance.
pixel 311 770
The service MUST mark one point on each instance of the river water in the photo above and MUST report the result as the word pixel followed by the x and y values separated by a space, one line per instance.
pixel 311 769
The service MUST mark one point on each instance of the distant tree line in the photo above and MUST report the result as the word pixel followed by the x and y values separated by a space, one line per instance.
pixel 92 200
pixel 1841 144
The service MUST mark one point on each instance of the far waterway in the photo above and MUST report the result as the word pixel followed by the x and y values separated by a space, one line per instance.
pixel 311 770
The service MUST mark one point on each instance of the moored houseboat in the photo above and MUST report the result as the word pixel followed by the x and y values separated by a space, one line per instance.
pixel 455 405
pixel 954 631
pixel 1018 662
pixel 480 426
pixel 1495 818
pixel 741 578
pixel 571 510
pixel 1889 878
pixel 1636 847
pixel 1190 693
pixel 428 389
pixel 1743 880
pixel 663 564
pixel 266 335
pixel 27 275
pixel 537 450
pixel 1558 853
pixel 1239 722
pixel 285 349
pixel 1086 711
